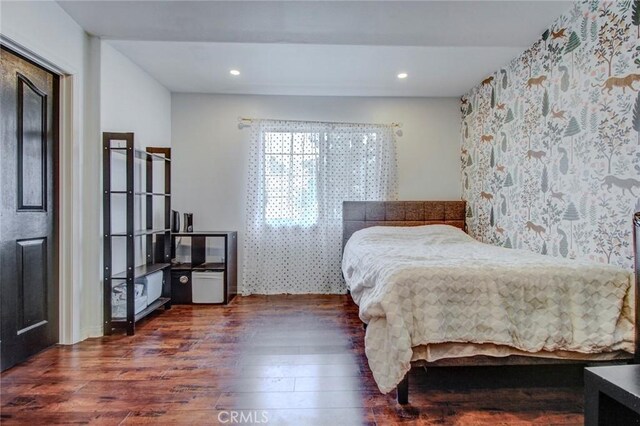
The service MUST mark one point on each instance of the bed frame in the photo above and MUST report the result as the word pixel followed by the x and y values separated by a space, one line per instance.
pixel 358 215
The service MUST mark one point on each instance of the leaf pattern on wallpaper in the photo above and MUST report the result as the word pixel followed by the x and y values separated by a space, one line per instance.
pixel 551 142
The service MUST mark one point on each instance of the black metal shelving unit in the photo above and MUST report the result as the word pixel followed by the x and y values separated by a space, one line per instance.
pixel 158 241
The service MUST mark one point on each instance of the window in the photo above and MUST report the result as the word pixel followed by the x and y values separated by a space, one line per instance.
pixel 298 175
pixel 291 177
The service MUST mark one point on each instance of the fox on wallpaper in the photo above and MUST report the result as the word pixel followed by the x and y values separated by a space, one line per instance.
pixel 551 142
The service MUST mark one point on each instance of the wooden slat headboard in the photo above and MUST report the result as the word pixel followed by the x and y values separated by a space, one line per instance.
pixel 358 215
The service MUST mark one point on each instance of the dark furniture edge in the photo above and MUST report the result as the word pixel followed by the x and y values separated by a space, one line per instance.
pixel 619 390
pixel 158 259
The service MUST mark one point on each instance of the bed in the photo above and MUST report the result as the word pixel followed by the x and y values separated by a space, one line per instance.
pixel 432 295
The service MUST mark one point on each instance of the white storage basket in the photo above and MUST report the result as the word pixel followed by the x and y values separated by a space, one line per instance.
pixel 207 287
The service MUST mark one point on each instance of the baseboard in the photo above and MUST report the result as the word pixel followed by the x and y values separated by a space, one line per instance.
pixel 92 332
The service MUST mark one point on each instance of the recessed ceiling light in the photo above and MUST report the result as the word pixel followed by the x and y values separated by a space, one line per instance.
pixel 403 75
pixel 234 72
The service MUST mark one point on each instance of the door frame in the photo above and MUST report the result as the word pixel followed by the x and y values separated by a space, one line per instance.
pixel 70 233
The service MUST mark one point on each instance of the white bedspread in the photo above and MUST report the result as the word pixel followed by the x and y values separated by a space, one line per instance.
pixel 435 284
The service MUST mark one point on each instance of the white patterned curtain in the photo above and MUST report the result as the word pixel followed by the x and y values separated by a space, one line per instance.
pixel 299 175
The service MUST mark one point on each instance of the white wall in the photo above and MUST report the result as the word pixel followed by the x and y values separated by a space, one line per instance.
pixel 44 30
pixel 210 152
pixel 132 101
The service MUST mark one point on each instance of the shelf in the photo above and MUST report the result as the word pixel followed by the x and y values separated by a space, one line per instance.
pixel 154 157
pixel 141 232
pixel 204 234
pixel 143 313
pixel 142 271
pixel 209 266
pixel 155 194
pixel 143 155
pixel 155 247
pixel 158 194
pixel 152 307
pixel 181 266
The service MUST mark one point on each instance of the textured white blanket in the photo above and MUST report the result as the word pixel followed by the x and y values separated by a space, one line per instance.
pixel 435 284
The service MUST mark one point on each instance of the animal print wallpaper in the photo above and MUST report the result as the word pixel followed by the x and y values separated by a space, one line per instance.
pixel 551 142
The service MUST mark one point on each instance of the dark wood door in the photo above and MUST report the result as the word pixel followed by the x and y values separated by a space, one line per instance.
pixel 28 204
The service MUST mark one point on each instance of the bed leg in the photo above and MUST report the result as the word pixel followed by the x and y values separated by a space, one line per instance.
pixel 403 390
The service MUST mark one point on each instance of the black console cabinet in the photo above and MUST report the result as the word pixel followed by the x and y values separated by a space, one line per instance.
pixel 612 395
pixel 182 273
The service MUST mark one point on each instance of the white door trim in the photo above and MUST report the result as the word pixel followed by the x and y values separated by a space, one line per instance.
pixel 70 208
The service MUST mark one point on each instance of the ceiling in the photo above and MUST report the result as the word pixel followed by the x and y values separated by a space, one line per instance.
pixel 318 47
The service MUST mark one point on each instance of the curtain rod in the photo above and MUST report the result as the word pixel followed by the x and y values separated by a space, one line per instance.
pixel 251 120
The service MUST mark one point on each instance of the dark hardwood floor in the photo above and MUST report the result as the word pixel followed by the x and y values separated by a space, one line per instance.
pixel 291 360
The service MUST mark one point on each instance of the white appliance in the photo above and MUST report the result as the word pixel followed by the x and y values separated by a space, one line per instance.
pixel 207 287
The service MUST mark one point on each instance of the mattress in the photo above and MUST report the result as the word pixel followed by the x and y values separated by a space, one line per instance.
pixel 431 285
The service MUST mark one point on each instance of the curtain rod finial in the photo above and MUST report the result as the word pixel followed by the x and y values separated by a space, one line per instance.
pixel 244 122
